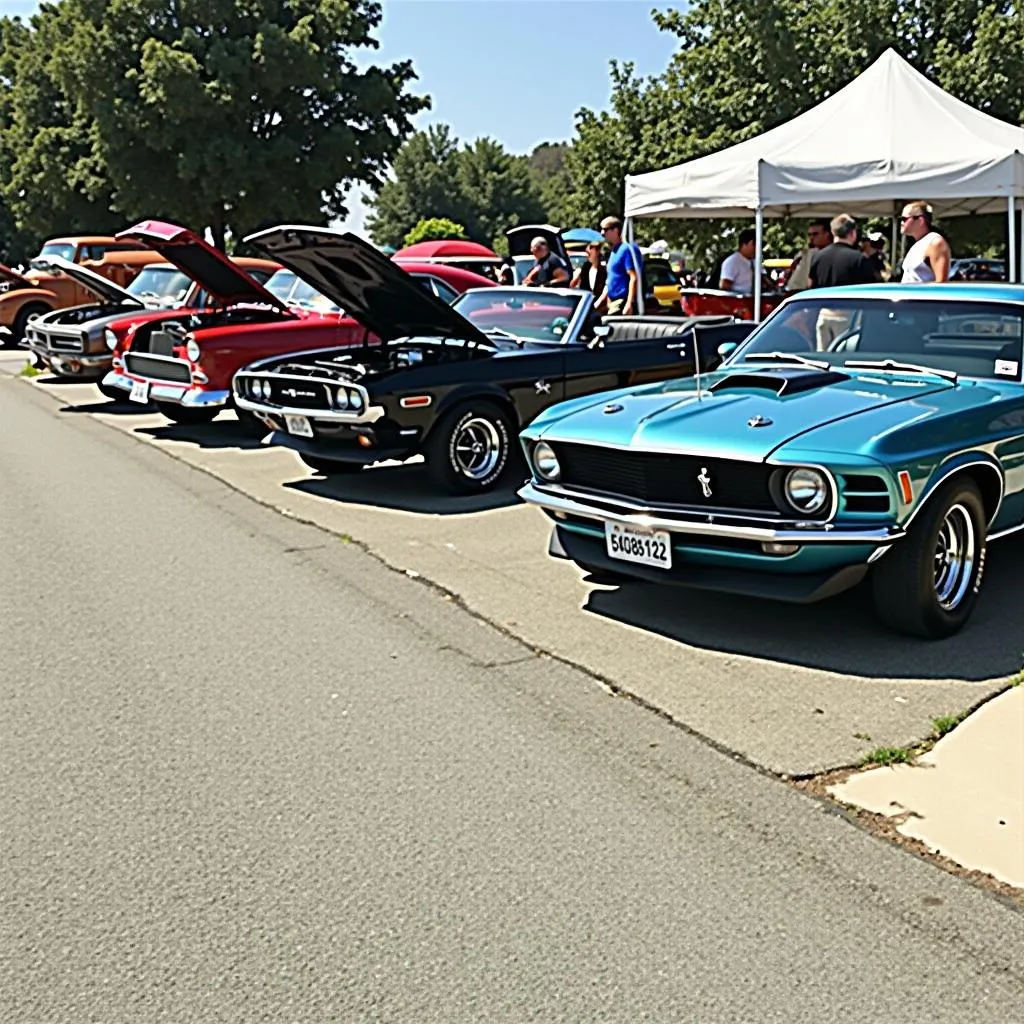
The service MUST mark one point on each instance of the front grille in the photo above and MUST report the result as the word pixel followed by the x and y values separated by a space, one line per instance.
pixel 142 365
pixel 299 394
pixel 62 342
pixel 658 479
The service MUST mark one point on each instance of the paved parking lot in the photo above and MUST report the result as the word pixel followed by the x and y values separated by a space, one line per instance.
pixel 793 689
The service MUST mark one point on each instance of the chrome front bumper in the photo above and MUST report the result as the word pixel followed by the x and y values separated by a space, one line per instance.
pixel 368 415
pixel 71 364
pixel 563 503
pixel 167 391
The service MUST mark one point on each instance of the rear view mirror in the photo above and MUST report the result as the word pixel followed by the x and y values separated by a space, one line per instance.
pixel 727 348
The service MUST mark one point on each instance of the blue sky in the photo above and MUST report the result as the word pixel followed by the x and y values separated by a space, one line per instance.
pixel 516 70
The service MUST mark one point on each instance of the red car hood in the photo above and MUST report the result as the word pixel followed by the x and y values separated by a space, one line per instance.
pixel 224 280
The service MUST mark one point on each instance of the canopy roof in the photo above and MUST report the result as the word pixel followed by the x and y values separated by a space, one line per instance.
pixel 451 249
pixel 888 137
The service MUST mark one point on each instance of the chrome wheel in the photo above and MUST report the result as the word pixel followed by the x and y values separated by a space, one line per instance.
pixel 476 448
pixel 955 554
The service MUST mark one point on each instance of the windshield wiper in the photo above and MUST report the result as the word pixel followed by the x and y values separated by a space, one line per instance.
pixel 786 357
pixel 892 364
pixel 505 334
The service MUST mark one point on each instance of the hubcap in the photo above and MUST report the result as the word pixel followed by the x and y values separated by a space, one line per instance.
pixel 477 448
pixel 955 554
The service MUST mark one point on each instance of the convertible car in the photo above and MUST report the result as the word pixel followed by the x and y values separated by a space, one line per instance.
pixel 791 472
pixel 450 382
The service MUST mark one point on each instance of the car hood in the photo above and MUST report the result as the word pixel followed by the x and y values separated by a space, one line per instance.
pixel 228 283
pixel 7 274
pixel 104 289
pixel 364 282
pixel 519 240
pixel 735 414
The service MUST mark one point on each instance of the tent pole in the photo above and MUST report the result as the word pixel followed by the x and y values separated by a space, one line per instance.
pixel 895 240
pixel 1011 217
pixel 758 257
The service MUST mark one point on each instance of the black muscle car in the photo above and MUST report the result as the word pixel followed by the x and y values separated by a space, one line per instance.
pixel 454 383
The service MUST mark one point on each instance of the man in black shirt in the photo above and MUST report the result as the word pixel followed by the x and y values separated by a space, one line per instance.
pixel 549 269
pixel 842 262
pixel 839 264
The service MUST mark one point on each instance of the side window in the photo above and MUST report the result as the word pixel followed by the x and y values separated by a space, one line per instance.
pixel 92 252
pixel 443 291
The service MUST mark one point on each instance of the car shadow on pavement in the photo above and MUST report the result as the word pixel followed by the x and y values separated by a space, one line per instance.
pixel 404 488
pixel 221 433
pixel 111 408
pixel 839 635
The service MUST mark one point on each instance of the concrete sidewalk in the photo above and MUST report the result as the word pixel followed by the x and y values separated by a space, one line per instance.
pixel 964 798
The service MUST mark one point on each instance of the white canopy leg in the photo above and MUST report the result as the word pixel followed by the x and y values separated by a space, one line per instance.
pixel 758 260
pixel 894 252
pixel 1011 217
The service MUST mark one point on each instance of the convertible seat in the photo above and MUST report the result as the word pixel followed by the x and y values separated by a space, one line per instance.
pixel 645 328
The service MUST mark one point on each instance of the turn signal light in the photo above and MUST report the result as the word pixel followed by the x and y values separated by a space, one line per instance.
pixel 366 442
pixel 771 547
pixel 905 489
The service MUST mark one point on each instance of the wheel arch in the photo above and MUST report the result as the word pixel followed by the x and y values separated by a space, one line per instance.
pixel 474 392
pixel 982 469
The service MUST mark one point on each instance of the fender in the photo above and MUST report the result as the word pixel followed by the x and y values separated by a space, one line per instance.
pixel 952 466
pixel 467 392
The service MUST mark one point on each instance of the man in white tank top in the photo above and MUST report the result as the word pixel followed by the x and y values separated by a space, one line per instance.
pixel 929 257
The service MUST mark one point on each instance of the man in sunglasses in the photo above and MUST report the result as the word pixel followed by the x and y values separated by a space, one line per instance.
pixel 798 276
pixel 929 257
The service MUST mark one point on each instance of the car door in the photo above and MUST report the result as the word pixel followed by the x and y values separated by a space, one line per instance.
pixel 533 377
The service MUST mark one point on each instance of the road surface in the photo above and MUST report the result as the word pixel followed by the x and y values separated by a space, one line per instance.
pixel 248 773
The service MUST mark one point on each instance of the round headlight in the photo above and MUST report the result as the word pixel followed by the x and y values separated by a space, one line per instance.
pixel 341 398
pixel 264 386
pixel 192 350
pixel 355 401
pixel 545 462
pixel 110 338
pixel 806 490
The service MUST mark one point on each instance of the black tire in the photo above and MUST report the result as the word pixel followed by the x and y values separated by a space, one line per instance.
pixel 469 451
pixel 114 394
pixel 329 467
pixel 920 588
pixel 18 328
pixel 185 415
pixel 252 424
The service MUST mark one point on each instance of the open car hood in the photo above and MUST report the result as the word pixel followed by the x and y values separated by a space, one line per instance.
pixel 101 287
pixel 519 240
pixel 364 282
pixel 16 279
pixel 216 274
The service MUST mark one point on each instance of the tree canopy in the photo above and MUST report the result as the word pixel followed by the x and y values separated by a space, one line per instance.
pixel 215 113
pixel 435 229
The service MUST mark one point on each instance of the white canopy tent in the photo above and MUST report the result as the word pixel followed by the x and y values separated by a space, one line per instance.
pixel 889 136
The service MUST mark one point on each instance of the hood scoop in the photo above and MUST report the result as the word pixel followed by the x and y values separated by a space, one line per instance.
pixel 783 381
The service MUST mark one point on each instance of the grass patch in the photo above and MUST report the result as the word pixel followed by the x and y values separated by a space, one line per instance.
pixel 946 723
pixel 28 370
pixel 1017 679
pixel 888 755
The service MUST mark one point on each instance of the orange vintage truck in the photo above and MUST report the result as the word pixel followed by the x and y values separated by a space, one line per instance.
pixel 39 290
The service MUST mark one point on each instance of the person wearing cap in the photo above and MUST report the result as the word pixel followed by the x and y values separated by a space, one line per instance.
pixel 873 247
pixel 549 269
pixel 623 292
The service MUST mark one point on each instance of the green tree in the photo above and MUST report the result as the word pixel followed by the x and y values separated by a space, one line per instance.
pixel 228 113
pixel 479 185
pixel 435 229
pixel 51 179
pixel 548 167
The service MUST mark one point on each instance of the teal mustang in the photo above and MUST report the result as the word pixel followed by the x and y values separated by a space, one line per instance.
pixel 872 431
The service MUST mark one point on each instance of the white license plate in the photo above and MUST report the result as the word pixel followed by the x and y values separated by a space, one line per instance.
pixel 140 392
pixel 299 426
pixel 631 544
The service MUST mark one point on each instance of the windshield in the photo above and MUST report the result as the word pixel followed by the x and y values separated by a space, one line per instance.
pixel 293 291
pixel 162 285
pixel 973 338
pixel 65 250
pixel 537 316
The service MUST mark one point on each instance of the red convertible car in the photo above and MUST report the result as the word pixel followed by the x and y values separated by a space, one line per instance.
pixel 185 365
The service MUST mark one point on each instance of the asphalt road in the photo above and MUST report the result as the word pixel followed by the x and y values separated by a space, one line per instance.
pixel 248 773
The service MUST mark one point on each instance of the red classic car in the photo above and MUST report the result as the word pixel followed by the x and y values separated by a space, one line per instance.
pixel 184 365
pixel 714 302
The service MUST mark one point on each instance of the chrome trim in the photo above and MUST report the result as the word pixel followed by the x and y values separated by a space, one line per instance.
pixel 787 533
pixel 85 361
pixel 369 415
pixel 164 391
pixel 1005 533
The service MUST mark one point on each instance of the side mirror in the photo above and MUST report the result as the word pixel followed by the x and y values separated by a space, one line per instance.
pixel 727 348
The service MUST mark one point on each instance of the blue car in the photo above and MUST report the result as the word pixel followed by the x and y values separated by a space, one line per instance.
pixel 868 432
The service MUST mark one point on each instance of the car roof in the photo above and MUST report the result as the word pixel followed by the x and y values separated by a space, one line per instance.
pixel 997 291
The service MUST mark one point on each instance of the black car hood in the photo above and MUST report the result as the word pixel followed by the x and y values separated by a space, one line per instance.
pixel 364 282
pixel 519 240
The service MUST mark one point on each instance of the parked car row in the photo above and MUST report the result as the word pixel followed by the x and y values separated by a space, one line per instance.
pixel 870 434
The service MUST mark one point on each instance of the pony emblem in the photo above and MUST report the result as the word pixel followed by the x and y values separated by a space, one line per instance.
pixel 704 479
